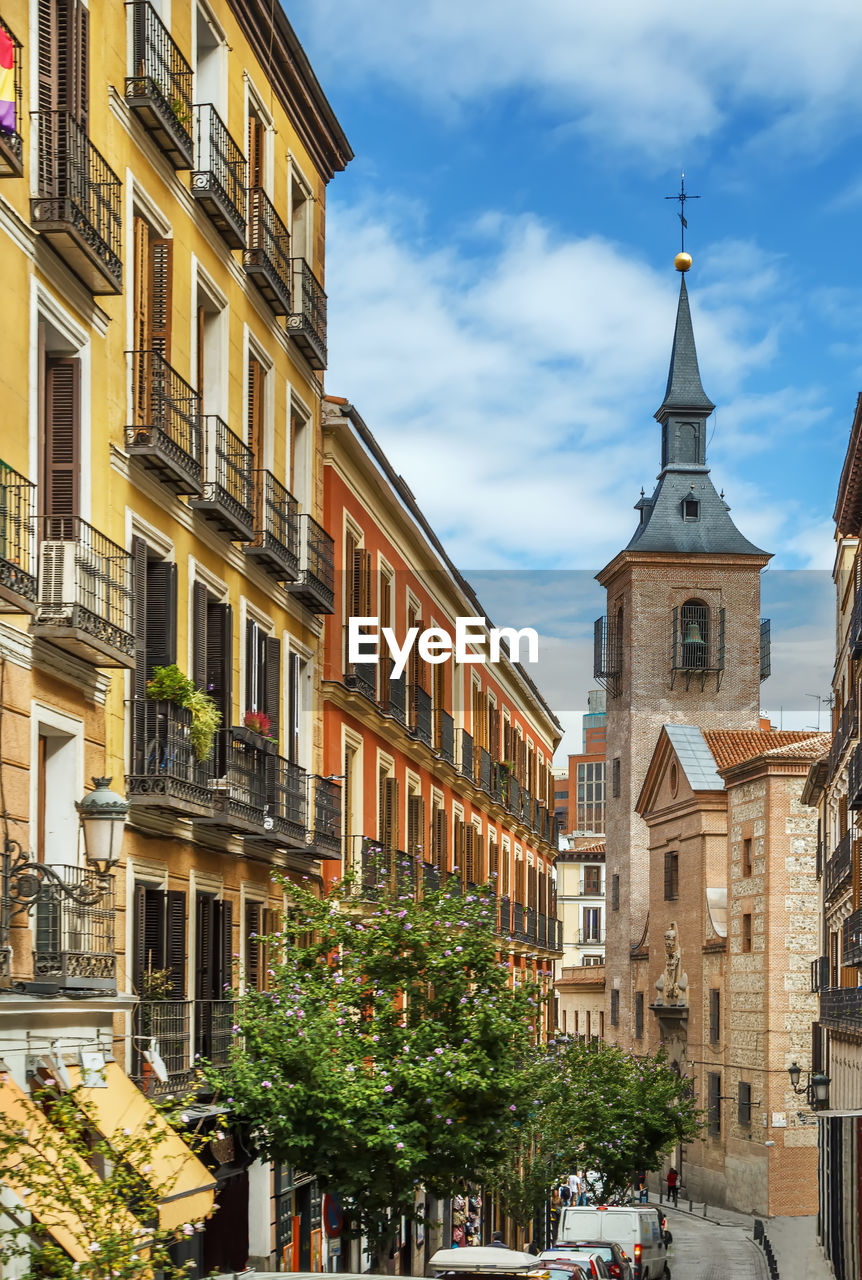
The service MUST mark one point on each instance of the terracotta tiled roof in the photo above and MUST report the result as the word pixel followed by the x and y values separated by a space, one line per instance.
pixel 597 847
pixel 733 746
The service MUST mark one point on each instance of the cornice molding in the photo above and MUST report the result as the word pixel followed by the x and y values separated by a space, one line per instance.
pixel 22 649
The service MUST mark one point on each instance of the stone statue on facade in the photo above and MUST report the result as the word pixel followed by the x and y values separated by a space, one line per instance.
pixel 672 985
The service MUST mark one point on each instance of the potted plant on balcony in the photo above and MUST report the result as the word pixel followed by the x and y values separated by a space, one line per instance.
pixel 256 730
pixel 169 684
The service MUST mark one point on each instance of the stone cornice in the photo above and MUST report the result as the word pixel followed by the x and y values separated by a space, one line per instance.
pixel 690 560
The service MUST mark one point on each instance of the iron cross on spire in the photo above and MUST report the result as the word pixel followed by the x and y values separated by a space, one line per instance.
pixel 682 197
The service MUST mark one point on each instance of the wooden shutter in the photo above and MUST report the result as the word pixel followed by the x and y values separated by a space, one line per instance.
pixel 149 943
pixel 440 839
pixel 255 151
pixel 494 863
pixel 225 947
pixel 175 951
pixel 219 657
pixel 253 948
pixel 254 431
pixel 361 593
pixel 141 305
pixel 78 57
pixel 160 267
pixel 200 602
pixel 161 621
pixel 62 436
pixel 389 833
pixel 479 859
pixel 416 826
pixel 468 873
pixel 204 976
pixel 139 556
pixel 505 872
pixel 494 732
pixel 272 679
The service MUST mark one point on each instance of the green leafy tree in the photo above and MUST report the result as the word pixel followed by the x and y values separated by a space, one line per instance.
pixel 592 1106
pixel 86 1188
pixel 385 1055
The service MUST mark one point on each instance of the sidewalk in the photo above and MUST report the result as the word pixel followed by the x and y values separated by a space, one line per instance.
pixel 793 1240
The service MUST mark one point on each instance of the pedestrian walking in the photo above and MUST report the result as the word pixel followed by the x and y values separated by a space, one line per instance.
pixel 672 1185
pixel 581 1177
pixel 565 1195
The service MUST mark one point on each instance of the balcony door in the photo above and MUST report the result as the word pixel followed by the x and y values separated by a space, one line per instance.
pixel 153 277
pixel 213 974
pixel 212 658
pixel 60 439
pixel 63 93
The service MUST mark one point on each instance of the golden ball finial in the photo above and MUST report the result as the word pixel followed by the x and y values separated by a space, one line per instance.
pixel 682 261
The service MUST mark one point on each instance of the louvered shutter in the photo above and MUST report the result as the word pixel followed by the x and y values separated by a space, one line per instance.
pixel 494 732
pixel 255 151
pixel 79 63
pixel 149 954
pixel 219 658
pixel 139 556
pixel 254 433
pixel 175 951
pixel 138 946
pixel 366 593
pixel 459 851
pixel 272 669
pixel 468 875
pixel 161 260
pixel 441 831
pixel 200 602
pixel 225 956
pixel 390 813
pixel 161 620
pixel 62 436
pixel 141 305
pixel 204 976
pixel 253 948
pixel 416 826
pixel 481 877
pixel 505 872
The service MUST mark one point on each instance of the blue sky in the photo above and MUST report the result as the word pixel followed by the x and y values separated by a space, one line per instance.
pixel 499 263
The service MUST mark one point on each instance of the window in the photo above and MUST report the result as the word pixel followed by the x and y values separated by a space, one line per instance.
pixel 591 797
pixel 714 1015
pixel 746 932
pixel 615 892
pixel 297 672
pixel 155 614
pixel 694 636
pixel 60 431
pixel 615 1008
pixel 744 1105
pixel 159 946
pixel 671 876
pixel 416 825
pixel 713 1103
pixel 439 836
pixel 152 302
pixel 387 827
pixel 591 919
pixel 616 777
pixel 258 922
pixel 591 961
pixel 263 676
pixel 746 857
pixel 639 1015
pixel 63 61
pixel 256 411
pixel 592 880
pixel 690 509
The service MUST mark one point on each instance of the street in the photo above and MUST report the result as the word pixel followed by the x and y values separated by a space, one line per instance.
pixel 703 1250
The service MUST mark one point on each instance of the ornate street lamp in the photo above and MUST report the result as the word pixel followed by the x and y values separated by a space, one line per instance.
pixel 816 1087
pixel 103 817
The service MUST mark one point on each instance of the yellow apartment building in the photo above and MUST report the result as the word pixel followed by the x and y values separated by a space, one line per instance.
pixel 163 171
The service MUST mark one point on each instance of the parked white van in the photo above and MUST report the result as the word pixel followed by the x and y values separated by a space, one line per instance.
pixel 635 1229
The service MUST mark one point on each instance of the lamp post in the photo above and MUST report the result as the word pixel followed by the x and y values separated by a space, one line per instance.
pixel 102 815
pixel 816 1087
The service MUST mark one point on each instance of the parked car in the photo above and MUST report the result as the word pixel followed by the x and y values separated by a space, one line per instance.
pixel 556 1269
pixel 635 1229
pixel 615 1257
pixel 482 1260
pixel 590 1259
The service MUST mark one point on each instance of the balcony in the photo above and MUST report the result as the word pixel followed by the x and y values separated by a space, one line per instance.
pixel 275 545
pixel 854 636
pixel 267 257
pixel 214 1034
pixel 836 874
pixel 444 735
pixel 845 731
pixel 227 499
pixel 315 585
pixel 17 542
pixel 306 323
pixel 327 817
pixel 73 942
pixel 841 1008
pixel 240 794
pixel 219 178
pixel 464 753
pixel 482 768
pixel 78 206
pixel 392 693
pixel 11 142
pixel 765 649
pixel 160 91
pixel 420 715
pixel 590 938
pixel 607 655
pixel 697 649
pixel 852 932
pixel 854 778
pixel 168 1023
pixel 85 593
pixel 819 973
pixel 504 923
pixel 166 775
pixel 166 433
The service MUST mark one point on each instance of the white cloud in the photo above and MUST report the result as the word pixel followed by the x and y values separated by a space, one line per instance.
pixel 657 76
pixel 513 387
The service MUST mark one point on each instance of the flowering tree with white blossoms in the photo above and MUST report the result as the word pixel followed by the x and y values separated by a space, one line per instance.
pixel 385 1055
pixel 87 1190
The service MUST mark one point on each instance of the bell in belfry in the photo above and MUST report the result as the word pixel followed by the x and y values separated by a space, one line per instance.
pixel 692 634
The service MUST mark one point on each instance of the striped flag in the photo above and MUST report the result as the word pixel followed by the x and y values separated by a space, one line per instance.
pixel 7 83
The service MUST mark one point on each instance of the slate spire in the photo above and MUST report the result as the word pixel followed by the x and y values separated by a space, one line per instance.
pixel 684 389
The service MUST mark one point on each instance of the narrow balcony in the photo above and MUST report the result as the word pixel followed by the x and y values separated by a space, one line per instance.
pixel 166 775
pixel 841 1008
pixel 227 500
pixel 392 693
pixel 765 649
pixel 444 735
pixel 85 594
pixel 214 1034
pixel 283 820
pixel 79 201
pixel 420 715
pixel 11 142
pixel 854 777
pixel 166 433
pixel 852 933
pixel 306 322
pixel 607 655
pixel 819 973
pixel 845 731
pixel 219 178
pixel 275 545
pixel 315 585
pixel 160 90
pixel 464 753
pixel 838 867
pixel 327 817
pixel 362 677
pixel 854 637
pixel 698 649
pixel 542 930
pixel 504 923
pixel 17 542
pixel 482 768
pixel 513 796
pixel 168 1023
pixel 241 783
pixel 267 257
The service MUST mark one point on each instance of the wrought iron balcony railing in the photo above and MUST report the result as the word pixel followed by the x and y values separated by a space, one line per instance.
pixel 276 536
pixel 165 772
pixel 839 866
pixel 73 942
pixel 444 735
pixel 267 257
pixel 79 201
pixel 227 500
pixel 240 788
pixel 392 693
pixel 166 432
pixel 306 323
pixel 820 973
pixel 362 677
pixel 607 655
pixel 854 637
pixel 482 768
pixel 17 539
pixel 841 1008
pixel 214 1034
pixel 219 178
pixel 846 730
pixel 765 649
pixel 160 89
pixel 420 714
pixel 327 817
pixel 315 584
pixel 85 593
pixel 854 778
pixel 11 142
pixel 464 752
pixel 852 935
pixel 697 645
pixel 168 1023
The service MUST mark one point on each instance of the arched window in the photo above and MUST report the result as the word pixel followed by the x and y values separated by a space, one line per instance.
pixel 694 635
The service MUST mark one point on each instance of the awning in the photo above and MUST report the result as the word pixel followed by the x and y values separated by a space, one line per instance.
pixel 185 1184
pixel 63 1223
